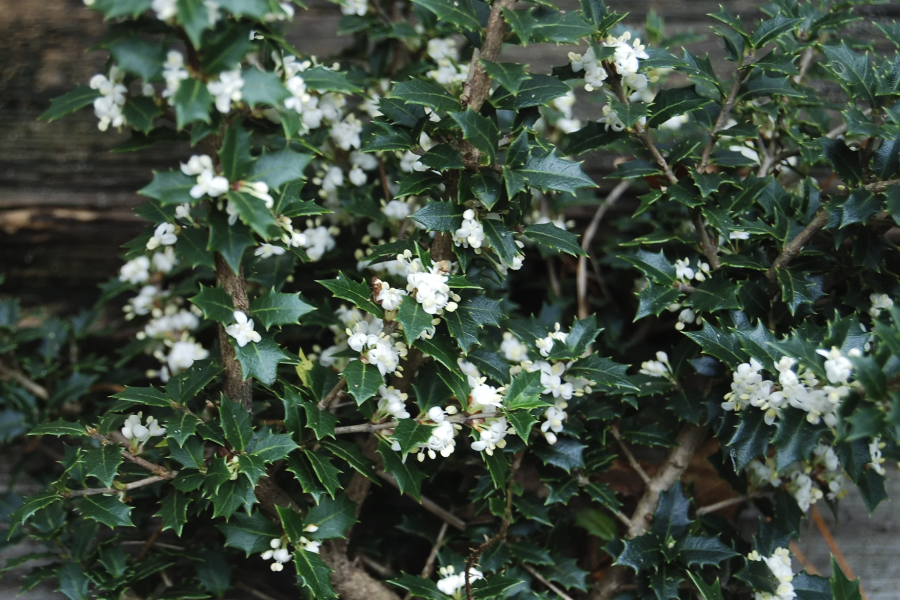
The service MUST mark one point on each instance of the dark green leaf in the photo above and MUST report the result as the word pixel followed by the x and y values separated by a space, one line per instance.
pixel 74 100
pixel 426 93
pixel 356 292
pixel 274 308
pixel 215 303
pixel 108 510
pixel 260 359
pixel 363 380
pixel 315 574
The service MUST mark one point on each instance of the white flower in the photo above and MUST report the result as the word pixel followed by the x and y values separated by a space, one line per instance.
pixel 267 250
pixel 611 119
pixel 683 270
pixel 183 354
pixel 513 350
pixel 384 356
pixel 318 241
pixel 346 133
pixel 208 183
pixel 164 235
pixel 364 334
pixel 355 7
pixel 397 210
pixel 139 433
pixel 174 73
pixel 838 367
pixel 227 89
pixel 136 270
pixel 484 395
pixel 702 270
pixel 880 302
pixel 108 107
pixel 258 189
pixel 165 260
pixel 739 235
pixel 242 331
pixel 875 455
pixel 430 289
pixel 389 298
pixel 357 176
pixel 451 582
pixel 780 566
pixel 299 96
pixel 439 49
pixel 470 233
pixel 392 402
pixel 365 161
pixel 164 9
pixel 491 435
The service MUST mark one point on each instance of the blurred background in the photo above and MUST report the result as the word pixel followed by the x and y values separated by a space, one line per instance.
pixel 66 202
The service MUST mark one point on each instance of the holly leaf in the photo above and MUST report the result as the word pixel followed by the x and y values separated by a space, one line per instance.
pixel 550 171
pixel 706 591
pixel 260 359
pixel 356 292
pixel 426 93
pixel 140 112
pixel 145 396
pixel 321 421
pixel 418 587
pixel 796 437
pixel 254 213
pixel 480 131
pixel 602 371
pixel 74 100
pixel 509 75
pixel 170 187
pixel 266 88
pixel 272 446
pixel 108 510
pixel 275 308
pixel 716 293
pixel 235 423
pixel 697 550
pixel 842 588
pixel 654 299
pixel 551 236
pixel 439 216
pixel 352 455
pixel 279 168
pixel 407 474
pixel 718 343
pixel 139 57
pixel 458 12
pixel 332 516
pixel 215 303
pixel 173 511
pixel 409 433
pixel 229 240
pixel 672 102
pixel 750 439
pixel 315 574
pixel 192 103
pixel 320 79
pixel 32 505
pixel 103 463
pixel 324 470
pixel 538 90
pixel 363 380
pixel 565 454
pixel 414 319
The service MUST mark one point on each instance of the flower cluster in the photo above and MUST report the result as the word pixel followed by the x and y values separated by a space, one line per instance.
pixel 227 90
pixel 879 302
pixel 445 53
pixel 242 330
pixel 625 60
pixel 377 348
pixel 138 432
pixel 804 480
pixel 453 583
pixel 280 552
pixel 780 565
pixel 428 285
pixel 208 183
pixel 799 389
pixel 108 106
pixel 470 233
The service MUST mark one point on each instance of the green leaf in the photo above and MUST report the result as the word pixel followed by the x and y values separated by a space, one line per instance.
pixel 356 292
pixel 194 17
pixel 565 454
pixel 442 157
pixel 522 421
pixel 254 213
pixel 463 329
pixel 640 553
pixel 279 168
pixel 631 112
pixel 414 319
pixel 759 85
pixel 319 420
pixel 418 182
pixel 263 87
pixel 531 553
pixel 509 75
pixel 483 310
pixel 498 468
pixel 173 511
pixel 539 90
pixel 332 516
pixel 181 426
pixel 426 93
pixel 481 131
pixel 275 308
pixel 408 476
pixel 145 396
pixel 672 102
pixel 187 384
pixel 108 510
pixel 260 359
pixel 257 9
pixel 842 588
pixel 772 29
pixel 324 470
pixel 235 423
pixel 581 335
pixel 139 57
pixel 363 380
pixel 315 574
pixel 716 293
pixel 140 112
pixel 215 303
pixel 795 290
pixel 845 161
pixel 567 573
pixel 706 591
pixel 170 187
pixel 492 586
pixel 251 534
pixel 353 456
pixel 525 392
pixel 602 371
pixel 320 79
pixel 439 216
pixel 439 348
pixel 811 587
pixel 559 27
pixel 551 236
pixel 458 12
pixel 719 344
pixel 796 437
pixel 418 587
pixel 671 517
pixel 665 582
pixel 409 433
pixel 121 8
pixel 654 299
pixel 73 582
pixel 192 247
pixel 59 427
pixel 32 505
pixel 859 207
pixel 229 240
pixel 750 439
pixel 226 47
pixel 591 137
pixel 273 446
pixel 103 463
pixel 550 171
pixel 292 523
pixel 74 100
pixel 854 69
pixel 655 266
pixel 602 493
pixel 192 103
pixel 635 169
pixel 233 495
pixel 697 550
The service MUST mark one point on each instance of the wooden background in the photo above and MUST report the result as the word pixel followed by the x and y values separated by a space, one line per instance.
pixel 66 202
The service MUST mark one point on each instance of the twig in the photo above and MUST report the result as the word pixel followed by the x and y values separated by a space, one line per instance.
pixel 428 569
pixel 705 510
pixel 153 538
pixel 125 487
pixel 477 552
pixel 722 120
pixel 880 186
pixel 382 570
pixel 710 249
pixel 158 545
pixel 796 551
pixel 672 468
pixel 546 583
pixel 430 505
pixel 384 181
pixel 480 84
pixel 23 380
pixel 253 591
pixel 587 238
pixel 795 246
pixel 642 135
pixel 365 427
pixel 333 393
pixel 835 549
pixel 620 516
pixel 159 470
pixel 631 459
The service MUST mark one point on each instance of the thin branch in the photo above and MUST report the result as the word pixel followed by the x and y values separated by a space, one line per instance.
pixel 835 549
pixel 722 120
pixel 253 591
pixel 798 553
pixel 158 545
pixel 384 180
pixel 546 583
pixel 880 186
pixel 477 552
pixel 621 516
pixel 480 84
pixel 373 427
pixel 710 249
pixel 795 246
pixel 587 238
pixel 341 384
pixel 642 135
pixel 128 486
pixel 23 380
pixel 430 505
pixel 159 470
pixel 631 459
pixel 705 510
pixel 150 542
pixel 428 569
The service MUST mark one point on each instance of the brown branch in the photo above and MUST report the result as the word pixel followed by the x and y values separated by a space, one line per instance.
pixel 835 549
pixel 795 246
pixel 235 387
pixel 154 468
pixel 328 399
pixel 587 238
pixel 710 249
pixel 801 557
pixel 631 459
pixel 430 505
pixel 644 136
pixel 544 581
pixel 479 85
pixel 128 486
pixel 672 468
pixel 880 186
pixel 23 380
pixel 150 542
pixel 384 180
pixel 428 569
pixel 705 510
pixel 722 120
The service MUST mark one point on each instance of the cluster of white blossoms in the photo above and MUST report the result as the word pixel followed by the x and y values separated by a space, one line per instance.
pixel 317 239
pixel 428 286
pixel 470 232
pixel 227 90
pixel 174 73
pixel 208 183
pixel 138 432
pixel 804 480
pixel 876 459
pixel 354 7
pixel 443 437
pixel 138 269
pixel 799 389
pixel 486 402
pixel 684 273
pixel 453 583
pixel 780 565
pixel 108 106
pixel 388 297
pixel 659 367
pixel 377 347
pixel 626 61
pixel 280 553
pixel 242 330
pixel 562 121
pixel 880 302
pixel 449 71
pixel 391 404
